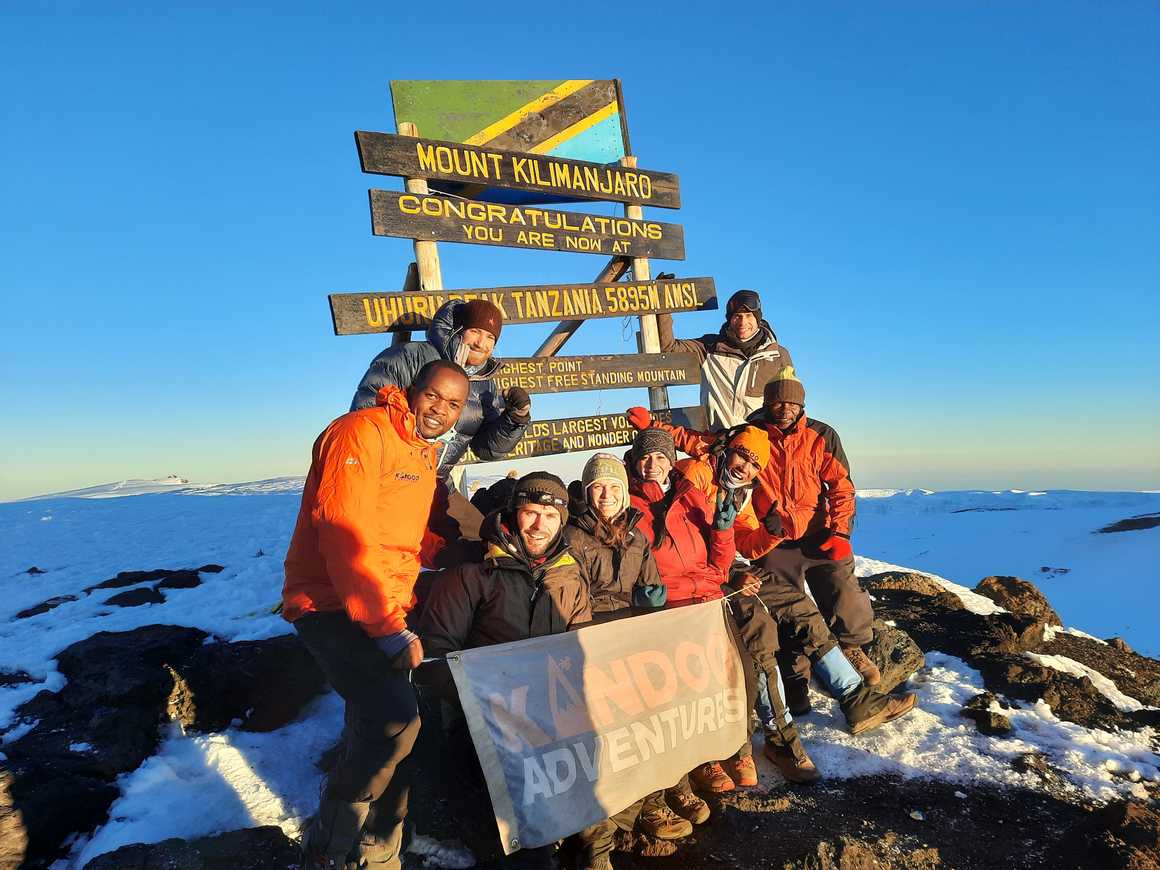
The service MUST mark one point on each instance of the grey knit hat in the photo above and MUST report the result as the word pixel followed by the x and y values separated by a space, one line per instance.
pixel 605 466
pixel 653 441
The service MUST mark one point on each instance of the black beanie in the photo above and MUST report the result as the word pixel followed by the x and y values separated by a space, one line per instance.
pixel 743 299
pixel 542 487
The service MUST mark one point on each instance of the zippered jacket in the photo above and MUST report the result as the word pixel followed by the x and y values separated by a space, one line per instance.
pixel 732 382
pixel 693 558
pixel 612 572
pixel 483 424
pixel 506 597
pixel 362 527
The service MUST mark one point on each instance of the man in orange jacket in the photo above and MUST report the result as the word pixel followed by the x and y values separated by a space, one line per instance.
pixel 350 575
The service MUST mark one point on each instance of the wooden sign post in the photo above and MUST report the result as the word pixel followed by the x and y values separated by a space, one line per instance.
pixel 494 154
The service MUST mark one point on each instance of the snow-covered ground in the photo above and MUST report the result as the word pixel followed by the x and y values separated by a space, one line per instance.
pixel 241 779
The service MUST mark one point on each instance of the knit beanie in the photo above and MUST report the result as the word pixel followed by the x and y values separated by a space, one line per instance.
pixel 653 441
pixel 542 487
pixel 479 314
pixel 753 444
pixel 605 466
pixel 743 300
pixel 785 387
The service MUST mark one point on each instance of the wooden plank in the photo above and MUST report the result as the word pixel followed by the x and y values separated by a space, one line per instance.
pixel 360 313
pixel 387 154
pixel 573 434
pixel 563 374
pixel 441 218
pixel 613 270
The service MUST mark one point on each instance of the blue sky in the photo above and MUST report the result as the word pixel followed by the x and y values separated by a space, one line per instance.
pixel 951 210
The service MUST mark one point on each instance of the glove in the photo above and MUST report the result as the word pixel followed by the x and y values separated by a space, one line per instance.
pixel 665 276
pixel 837 547
pixel 726 511
pixel 403 648
pixel 518 404
pixel 639 418
pixel 650 595
pixel 772 522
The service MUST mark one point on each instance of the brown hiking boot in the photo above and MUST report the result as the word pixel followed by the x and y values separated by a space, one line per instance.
pixel 741 770
pixel 788 755
pixel 688 806
pixel 871 676
pixel 657 820
pixel 868 709
pixel 636 843
pixel 711 778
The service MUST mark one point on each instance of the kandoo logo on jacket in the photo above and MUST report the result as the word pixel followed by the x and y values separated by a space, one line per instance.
pixel 405 475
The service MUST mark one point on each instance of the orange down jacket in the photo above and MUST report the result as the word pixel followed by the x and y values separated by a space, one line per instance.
pixel 363 520
pixel 807 478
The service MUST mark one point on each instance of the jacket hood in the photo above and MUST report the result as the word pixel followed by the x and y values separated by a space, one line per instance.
pixel 651 491
pixel 445 338
pixel 394 400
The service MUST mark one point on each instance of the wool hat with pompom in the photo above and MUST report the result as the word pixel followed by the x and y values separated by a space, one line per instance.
pixel 785 387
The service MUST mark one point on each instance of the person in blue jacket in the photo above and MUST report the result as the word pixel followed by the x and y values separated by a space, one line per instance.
pixel 491 423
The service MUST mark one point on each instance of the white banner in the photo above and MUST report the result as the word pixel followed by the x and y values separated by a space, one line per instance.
pixel 574 727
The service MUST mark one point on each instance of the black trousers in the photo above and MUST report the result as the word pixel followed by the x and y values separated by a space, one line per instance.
pixel 364 798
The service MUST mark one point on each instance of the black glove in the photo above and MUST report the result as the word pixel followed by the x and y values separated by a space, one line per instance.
pixel 772 522
pixel 518 404
pixel 665 276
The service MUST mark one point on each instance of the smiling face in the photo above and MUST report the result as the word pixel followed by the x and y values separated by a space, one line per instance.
pixel 479 343
pixel 743 324
pixel 783 414
pixel 538 525
pixel 438 401
pixel 606 497
pixel 654 466
pixel 740 469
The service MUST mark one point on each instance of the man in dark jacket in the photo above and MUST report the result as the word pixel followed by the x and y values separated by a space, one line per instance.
pixel 736 362
pixel 529 585
pixel 491 425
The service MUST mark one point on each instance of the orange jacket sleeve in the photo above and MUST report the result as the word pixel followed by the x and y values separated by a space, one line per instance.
pixel 753 541
pixel 349 460
pixel 839 488
pixel 689 441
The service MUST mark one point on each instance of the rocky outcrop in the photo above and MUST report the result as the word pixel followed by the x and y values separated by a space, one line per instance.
pixel 121 687
pixel 895 653
pixel 265 848
pixel 988 721
pixel 160 578
pixel 1018 596
pixel 1135 675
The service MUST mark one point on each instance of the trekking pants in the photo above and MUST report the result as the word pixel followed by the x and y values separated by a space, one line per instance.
pixel 364 796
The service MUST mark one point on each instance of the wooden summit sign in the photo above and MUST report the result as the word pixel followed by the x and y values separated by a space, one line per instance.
pixel 441 218
pixel 562 374
pixel 388 154
pixel 358 313
pixel 571 434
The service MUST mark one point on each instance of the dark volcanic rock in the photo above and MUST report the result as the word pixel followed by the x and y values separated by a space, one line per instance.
pixel 128 578
pixel 265 848
pixel 14 678
pixel 45 606
pixel 264 683
pixel 33 571
pixel 1132 524
pixel 1135 675
pixel 895 653
pixel 179 580
pixel 906 581
pixel 987 721
pixel 136 598
pixel 1072 698
pixel 1018 596
pixel 1118 835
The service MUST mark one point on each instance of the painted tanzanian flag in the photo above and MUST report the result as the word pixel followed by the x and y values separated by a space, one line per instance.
pixel 580 119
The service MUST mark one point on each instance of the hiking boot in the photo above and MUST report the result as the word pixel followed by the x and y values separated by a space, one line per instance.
pixel 788 755
pixel 688 806
pixel 797 697
pixel 636 843
pixel 657 820
pixel 711 778
pixel 869 672
pixel 741 770
pixel 867 709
